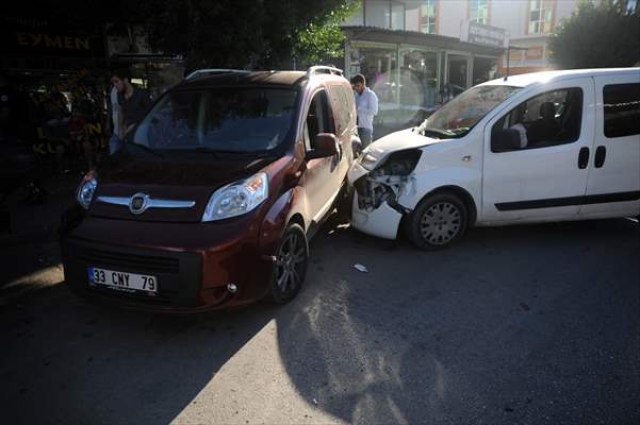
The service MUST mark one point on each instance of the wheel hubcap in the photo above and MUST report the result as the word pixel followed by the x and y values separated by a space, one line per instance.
pixel 441 223
pixel 291 259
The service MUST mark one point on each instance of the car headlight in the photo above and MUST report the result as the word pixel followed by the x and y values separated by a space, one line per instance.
pixel 370 158
pixel 237 198
pixel 86 190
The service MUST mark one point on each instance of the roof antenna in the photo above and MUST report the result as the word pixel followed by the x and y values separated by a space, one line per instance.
pixel 509 48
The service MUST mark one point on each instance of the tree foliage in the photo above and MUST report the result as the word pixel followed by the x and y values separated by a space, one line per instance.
pixel 597 35
pixel 242 33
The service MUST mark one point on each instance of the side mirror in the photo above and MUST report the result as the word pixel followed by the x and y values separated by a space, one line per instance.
pixel 326 145
pixel 505 140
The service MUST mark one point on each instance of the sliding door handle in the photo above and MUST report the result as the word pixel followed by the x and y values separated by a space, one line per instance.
pixel 601 155
pixel 583 158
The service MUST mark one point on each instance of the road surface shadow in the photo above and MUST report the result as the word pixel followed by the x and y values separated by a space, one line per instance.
pixel 503 327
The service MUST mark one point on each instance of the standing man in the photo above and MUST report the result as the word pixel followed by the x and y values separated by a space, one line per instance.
pixel 133 102
pixel 114 116
pixel 367 105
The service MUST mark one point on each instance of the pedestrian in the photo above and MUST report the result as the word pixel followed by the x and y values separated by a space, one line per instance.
pixel 367 106
pixel 133 102
pixel 114 119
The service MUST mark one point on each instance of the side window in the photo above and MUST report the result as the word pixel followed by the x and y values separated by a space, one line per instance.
pixel 342 107
pixel 318 119
pixel 550 119
pixel 621 110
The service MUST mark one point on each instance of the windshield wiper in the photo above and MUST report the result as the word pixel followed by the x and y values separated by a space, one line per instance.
pixel 144 148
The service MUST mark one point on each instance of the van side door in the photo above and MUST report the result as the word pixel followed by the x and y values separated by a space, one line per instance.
pixel 322 177
pixel 613 187
pixel 544 175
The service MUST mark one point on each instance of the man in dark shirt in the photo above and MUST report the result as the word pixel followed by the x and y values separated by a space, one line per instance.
pixel 134 101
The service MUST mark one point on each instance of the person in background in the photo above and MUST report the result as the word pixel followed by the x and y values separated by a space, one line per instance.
pixel 367 106
pixel 133 102
pixel 114 119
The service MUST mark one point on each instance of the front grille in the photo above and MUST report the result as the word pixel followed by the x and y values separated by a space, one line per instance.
pixel 97 257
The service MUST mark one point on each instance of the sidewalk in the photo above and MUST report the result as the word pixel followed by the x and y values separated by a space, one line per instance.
pixel 38 223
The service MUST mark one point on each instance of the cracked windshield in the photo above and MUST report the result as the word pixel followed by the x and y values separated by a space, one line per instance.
pixel 457 117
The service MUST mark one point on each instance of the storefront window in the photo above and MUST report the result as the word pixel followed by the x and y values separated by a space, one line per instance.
pixel 484 69
pixel 418 79
pixel 378 65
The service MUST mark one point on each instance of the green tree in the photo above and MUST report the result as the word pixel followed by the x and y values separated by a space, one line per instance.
pixel 242 33
pixel 597 35
pixel 322 38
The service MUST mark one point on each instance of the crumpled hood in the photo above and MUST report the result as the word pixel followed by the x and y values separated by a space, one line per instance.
pixel 188 180
pixel 381 148
pixel 401 140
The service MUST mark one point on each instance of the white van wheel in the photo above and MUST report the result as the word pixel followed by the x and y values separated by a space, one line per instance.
pixel 438 221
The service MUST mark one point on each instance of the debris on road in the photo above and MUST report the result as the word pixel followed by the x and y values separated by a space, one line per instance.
pixel 361 268
pixel 315 401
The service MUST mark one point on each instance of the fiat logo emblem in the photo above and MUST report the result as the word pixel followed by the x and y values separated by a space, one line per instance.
pixel 138 203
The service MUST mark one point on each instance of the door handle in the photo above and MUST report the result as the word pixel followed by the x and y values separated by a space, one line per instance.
pixel 583 158
pixel 601 154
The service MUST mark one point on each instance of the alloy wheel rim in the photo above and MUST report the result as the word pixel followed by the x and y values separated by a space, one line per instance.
pixel 290 263
pixel 441 223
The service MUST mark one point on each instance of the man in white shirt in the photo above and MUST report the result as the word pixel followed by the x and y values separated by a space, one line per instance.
pixel 367 105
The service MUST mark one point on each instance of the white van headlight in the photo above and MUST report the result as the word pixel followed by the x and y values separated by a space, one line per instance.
pixel 86 190
pixel 370 158
pixel 237 198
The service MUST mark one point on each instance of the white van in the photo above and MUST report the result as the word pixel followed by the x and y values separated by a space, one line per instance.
pixel 548 146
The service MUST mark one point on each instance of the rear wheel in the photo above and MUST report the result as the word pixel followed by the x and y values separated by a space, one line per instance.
pixel 291 265
pixel 438 221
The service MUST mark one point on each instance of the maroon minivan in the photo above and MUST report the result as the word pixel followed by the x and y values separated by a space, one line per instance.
pixel 211 201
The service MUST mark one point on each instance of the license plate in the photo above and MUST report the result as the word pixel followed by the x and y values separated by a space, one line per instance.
pixel 122 280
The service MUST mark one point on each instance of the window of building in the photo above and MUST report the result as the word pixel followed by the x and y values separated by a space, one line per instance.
pixel 621 110
pixel 428 17
pixel 540 16
pixel 479 11
pixel 550 119
pixel 377 14
pixel 385 14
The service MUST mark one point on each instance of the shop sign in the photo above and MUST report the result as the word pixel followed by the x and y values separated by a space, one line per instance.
pixel 35 38
pixel 473 32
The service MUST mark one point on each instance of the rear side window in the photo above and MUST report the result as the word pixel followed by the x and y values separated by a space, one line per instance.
pixel 621 110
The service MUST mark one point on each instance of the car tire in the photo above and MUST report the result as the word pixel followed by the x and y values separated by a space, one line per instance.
pixel 292 257
pixel 438 221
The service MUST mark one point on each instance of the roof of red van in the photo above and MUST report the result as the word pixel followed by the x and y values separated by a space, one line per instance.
pixel 239 77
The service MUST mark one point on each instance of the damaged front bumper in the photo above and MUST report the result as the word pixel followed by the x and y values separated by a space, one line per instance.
pixel 377 208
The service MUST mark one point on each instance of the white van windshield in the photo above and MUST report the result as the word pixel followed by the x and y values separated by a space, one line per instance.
pixel 457 117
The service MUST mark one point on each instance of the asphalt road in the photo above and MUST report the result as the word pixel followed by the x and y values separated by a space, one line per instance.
pixel 515 325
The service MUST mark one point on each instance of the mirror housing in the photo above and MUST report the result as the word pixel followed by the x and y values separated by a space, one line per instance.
pixel 506 140
pixel 326 145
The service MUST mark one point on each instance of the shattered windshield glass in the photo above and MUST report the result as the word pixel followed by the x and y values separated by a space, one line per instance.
pixel 457 117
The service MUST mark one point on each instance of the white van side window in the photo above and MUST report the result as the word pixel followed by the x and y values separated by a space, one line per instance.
pixel 549 119
pixel 621 110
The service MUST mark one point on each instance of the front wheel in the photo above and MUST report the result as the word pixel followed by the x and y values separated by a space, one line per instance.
pixel 438 221
pixel 291 265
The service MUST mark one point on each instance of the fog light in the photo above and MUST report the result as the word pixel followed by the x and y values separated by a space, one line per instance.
pixel 231 287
